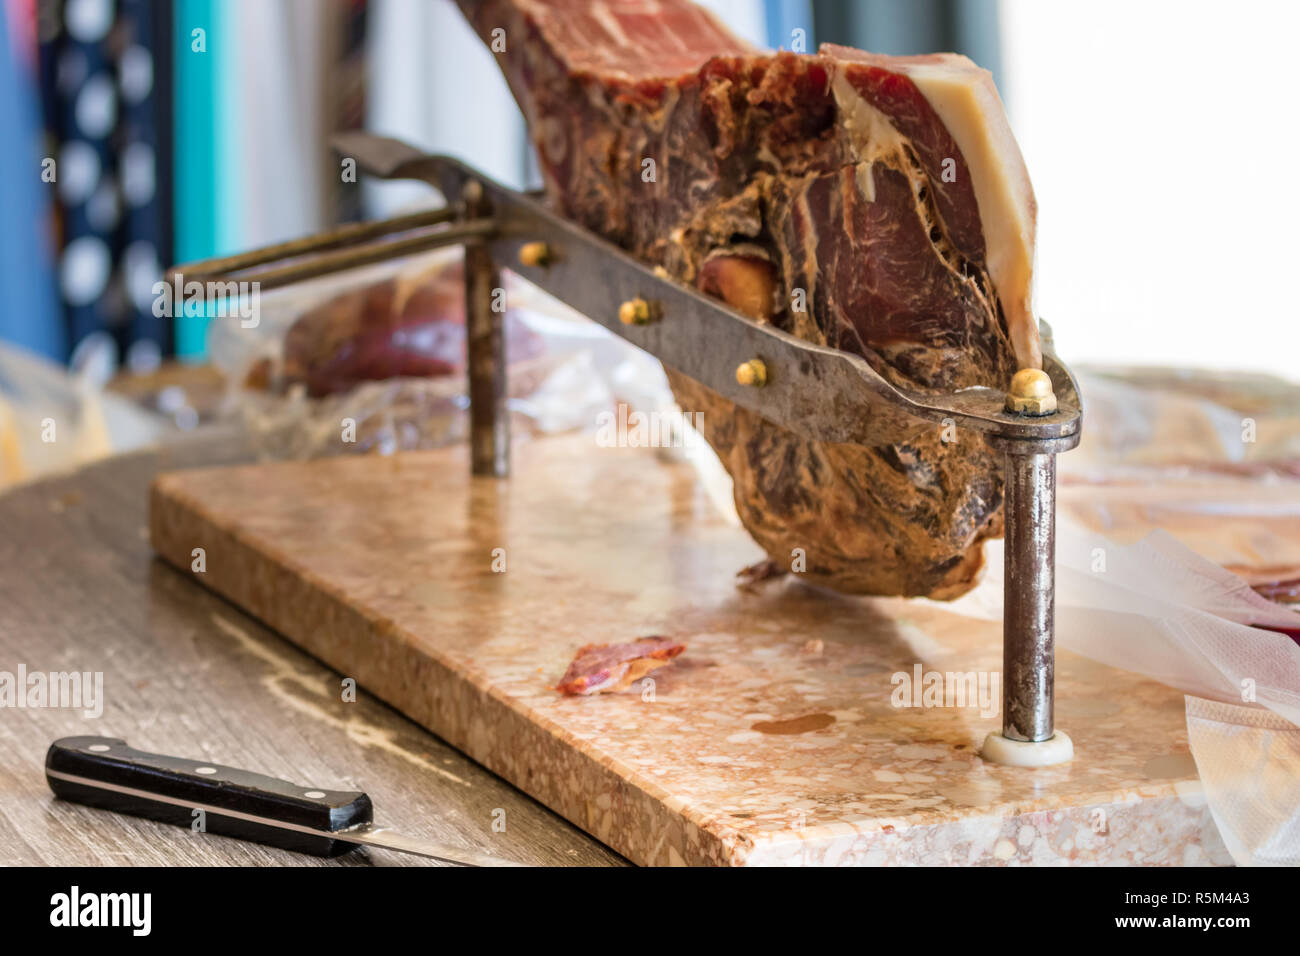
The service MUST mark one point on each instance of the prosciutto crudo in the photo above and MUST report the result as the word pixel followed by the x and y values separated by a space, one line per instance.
pixel 606 668
pixel 873 204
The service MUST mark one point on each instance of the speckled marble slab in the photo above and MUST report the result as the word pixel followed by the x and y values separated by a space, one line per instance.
pixel 775 739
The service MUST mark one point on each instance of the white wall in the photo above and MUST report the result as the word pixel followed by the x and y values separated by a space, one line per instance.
pixel 433 83
pixel 1162 139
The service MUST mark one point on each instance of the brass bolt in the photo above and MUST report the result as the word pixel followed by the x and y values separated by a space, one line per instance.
pixel 635 312
pixel 1031 393
pixel 753 372
pixel 534 254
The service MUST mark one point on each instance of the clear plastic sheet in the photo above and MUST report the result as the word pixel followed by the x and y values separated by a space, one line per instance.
pixel 571 370
pixel 1249 761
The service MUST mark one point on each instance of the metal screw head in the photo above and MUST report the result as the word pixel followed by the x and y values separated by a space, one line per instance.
pixel 753 372
pixel 1031 393
pixel 534 254
pixel 634 312
pixel 472 191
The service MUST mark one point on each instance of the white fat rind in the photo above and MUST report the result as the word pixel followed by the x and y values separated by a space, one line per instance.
pixel 967 102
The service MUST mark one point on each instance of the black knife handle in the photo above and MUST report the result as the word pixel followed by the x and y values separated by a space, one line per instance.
pixel 195 783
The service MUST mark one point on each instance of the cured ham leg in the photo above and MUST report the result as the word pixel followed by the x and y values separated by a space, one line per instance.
pixel 873 204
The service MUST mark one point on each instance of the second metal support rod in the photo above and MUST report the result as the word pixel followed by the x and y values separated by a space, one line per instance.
pixel 1028 615
pixel 489 417
pixel 1029 585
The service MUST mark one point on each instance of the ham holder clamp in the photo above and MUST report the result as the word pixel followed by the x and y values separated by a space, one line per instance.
pixel 820 393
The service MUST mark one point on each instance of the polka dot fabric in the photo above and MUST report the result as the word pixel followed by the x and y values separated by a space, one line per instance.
pixel 107 127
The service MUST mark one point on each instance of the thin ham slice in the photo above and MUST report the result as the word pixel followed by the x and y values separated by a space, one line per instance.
pixel 605 668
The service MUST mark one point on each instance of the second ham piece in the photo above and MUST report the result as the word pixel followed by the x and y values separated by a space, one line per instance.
pixel 874 204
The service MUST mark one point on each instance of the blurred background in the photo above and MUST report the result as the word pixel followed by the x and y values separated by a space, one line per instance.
pixel 141 133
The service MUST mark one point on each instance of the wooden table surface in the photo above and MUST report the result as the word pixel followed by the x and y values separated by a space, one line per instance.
pixel 188 674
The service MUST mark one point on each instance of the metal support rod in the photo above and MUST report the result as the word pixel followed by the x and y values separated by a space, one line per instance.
pixel 489 419
pixel 345 235
pixel 274 276
pixel 1028 624
pixel 344 248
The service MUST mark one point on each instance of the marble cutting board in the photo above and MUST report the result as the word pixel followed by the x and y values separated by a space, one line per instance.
pixel 774 739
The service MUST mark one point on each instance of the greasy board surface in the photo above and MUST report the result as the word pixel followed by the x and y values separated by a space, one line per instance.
pixel 775 738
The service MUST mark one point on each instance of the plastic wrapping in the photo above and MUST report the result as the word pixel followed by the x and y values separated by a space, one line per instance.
pixel 354 393
pixel 1249 762
pixel 52 419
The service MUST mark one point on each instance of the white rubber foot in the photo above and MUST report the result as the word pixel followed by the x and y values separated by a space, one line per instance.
pixel 1058 748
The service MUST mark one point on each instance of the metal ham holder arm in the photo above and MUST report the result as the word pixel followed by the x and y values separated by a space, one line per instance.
pixel 820 393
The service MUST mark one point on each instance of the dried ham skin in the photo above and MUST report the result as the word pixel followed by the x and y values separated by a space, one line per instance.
pixel 873 204
pixel 605 668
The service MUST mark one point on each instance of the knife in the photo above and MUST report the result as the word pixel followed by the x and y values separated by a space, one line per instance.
pixel 105 772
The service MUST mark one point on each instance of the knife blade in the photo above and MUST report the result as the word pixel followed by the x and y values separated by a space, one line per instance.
pixel 106 773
